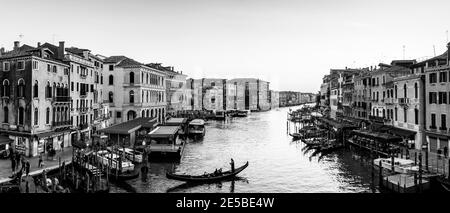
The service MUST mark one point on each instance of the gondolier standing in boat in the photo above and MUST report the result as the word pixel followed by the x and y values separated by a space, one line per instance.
pixel 232 165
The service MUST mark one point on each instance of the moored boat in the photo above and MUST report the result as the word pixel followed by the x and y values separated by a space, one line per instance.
pixel 197 128
pixel 211 177
pixel 404 166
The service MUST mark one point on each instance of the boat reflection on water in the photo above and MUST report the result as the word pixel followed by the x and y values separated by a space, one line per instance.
pixel 188 185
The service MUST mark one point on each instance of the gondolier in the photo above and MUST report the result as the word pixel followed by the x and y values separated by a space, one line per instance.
pixel 211 177
pixel 232 165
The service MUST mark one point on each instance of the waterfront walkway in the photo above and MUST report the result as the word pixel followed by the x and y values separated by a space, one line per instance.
pixel 6 171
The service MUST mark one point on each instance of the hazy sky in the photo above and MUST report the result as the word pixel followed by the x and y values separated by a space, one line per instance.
pixel 292 44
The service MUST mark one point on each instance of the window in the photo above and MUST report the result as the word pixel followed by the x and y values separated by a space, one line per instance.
pixel 433 78
pixel 442 97
pixel 416 91
pixel 118 114
pixel 35 89
pixel 49 68
pixel 433 121
pixel 131 96
pixel 21 115
pixel 405 115
pixel 71 86
pixel 111 80
pixel 36 116
pixel 213 84
pixel 47 116
pixel 396 112
pixel 78 86
pixel 111 67
pixel 443 77
pixel 405 91
pixel 131 77
pixel 101 79
pixel 416 116
pixel 48 90
pixel 6 66
pixel 443 122
pixel 6 114
pixel 20 65
pixel 213 100
pixel 432 98
pixel 111 97
pixel 35 65
pixel 21 88
pixel 395 91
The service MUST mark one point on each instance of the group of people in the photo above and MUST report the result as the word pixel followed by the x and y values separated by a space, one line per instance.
pixel 19 161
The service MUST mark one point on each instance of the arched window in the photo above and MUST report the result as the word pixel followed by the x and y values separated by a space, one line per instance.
pixel 405 93
pixel 35 89
pixel 148 112
pixel 36 116
pixel 54 90
pixel 131 96
pixel 47 116
pixel 6 114
pixel 131 115
pixel 5 90
pixel 131 77
pixel 395 92
pixel 416 92
pixel 143 113
pixel 147 96
pixel 21 115
pixel 21 88
pixel 48 90
pixel 111 80
pixel 147 78
pixel 111 97
pixel 142 78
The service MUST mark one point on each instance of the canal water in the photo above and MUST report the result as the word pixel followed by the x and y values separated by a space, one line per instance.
pixel 276 163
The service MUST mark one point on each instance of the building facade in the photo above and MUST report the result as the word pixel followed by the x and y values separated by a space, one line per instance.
pixel 35 100
pixel 133 90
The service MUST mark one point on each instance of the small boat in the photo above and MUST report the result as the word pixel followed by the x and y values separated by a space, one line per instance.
pixel 197 127
pixel 400 165
pixel 207 177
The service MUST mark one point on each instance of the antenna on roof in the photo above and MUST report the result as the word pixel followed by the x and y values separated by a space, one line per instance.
pixel 404 52
pixel 434 50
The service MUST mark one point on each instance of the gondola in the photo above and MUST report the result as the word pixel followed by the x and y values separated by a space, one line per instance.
pixel 128 175
pixel 207 177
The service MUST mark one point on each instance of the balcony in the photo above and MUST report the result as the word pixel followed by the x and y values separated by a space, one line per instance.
pixel 403 101
pixel 82 126
pixel 58 124
pixel 83 76
pixel 103 117
pixel 83 109
pixel 62 99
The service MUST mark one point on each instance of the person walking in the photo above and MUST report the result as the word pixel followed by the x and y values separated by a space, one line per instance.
pixel 40 161
pixel 27 167
pixel 18 158
pixel 445 151
pixel 13 165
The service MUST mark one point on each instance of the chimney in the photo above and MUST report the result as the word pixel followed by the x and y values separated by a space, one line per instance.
pixel 38 44
pixel 448 53
pixel 16 45
pixel 61 50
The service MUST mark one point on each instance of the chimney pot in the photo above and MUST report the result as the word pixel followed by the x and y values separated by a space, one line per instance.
pixel 16 45
pixel 38 44
pixel 61 50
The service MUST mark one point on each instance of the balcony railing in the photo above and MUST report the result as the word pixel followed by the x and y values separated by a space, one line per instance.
pixel 62 99
pixel 61 123
pixel 403 101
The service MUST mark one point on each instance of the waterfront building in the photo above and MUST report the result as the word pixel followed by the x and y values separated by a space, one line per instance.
pixel 361 96
pixel 252 94
pixel 380 79
pixel 81 78
pixel 176 91
pixel 437 104
pixel 133 90
pixel 35 100
pixel 289 98
pixel 274 99
pixel 407 113
pixel 337 77
pixel 325 93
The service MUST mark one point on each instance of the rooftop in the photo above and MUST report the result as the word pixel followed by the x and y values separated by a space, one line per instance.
pixel 130 126
pixel 164 131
